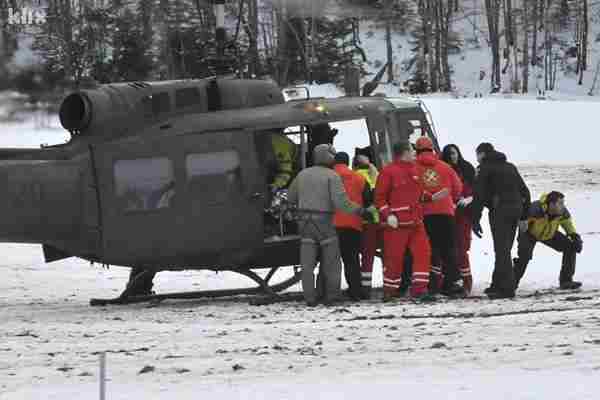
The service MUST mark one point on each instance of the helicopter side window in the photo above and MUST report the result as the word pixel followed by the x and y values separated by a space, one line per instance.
pixel 144 184
pixel 213 177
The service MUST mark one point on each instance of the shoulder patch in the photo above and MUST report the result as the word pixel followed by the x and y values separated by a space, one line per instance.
pixel 431 178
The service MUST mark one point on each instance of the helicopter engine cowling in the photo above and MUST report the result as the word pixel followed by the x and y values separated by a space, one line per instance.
pixel 114 110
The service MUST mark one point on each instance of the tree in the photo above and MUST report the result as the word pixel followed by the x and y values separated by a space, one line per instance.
pixel 492 8
pixel 73 40
pixel 433 39
pixel 132 61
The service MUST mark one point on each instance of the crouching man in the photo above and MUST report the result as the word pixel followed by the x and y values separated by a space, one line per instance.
pixel 545 217
pixel 318 192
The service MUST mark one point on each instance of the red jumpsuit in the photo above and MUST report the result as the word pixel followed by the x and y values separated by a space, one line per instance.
pixel 464 225
pixel 399 192
pixel 436 175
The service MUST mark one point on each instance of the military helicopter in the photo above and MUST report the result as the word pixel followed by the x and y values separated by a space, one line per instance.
pixel 169 176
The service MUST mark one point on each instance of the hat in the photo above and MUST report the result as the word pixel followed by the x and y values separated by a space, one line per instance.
pixel 424 143
pixel 342 158
pixel 324 154
pixel 484 148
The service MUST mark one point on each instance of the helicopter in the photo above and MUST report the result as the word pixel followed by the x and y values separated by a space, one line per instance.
pixel 167 176
pixel 170 176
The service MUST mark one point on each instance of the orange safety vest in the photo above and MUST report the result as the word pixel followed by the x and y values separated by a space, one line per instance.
pixel 354 184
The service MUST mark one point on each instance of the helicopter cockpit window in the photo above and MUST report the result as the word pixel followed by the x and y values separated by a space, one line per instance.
pixel 212 177
pixel 144 184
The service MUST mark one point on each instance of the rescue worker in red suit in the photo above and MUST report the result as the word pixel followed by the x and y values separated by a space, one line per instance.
pixel 436 175
pixel 466 172
pixel 399 195
pixel 372 237
pixel 349 226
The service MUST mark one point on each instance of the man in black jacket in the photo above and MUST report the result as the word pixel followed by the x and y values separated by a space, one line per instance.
pixel 501 189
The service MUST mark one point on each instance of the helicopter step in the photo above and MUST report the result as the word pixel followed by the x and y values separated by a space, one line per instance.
pixel 128 296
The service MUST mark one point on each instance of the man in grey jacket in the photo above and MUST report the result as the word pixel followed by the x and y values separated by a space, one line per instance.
pixel 318 192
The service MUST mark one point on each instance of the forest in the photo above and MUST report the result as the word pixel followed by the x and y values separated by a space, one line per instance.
pixel 86 42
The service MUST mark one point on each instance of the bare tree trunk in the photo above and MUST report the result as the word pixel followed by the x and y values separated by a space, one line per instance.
pixel 583 42
pixel 3 38
pixel 426 47
pixel 586 29
pixel 67 36
pixel 535 16
pixel 313 36
pixel 445 43
pixel 438 42
pixel 493 16
pixel 525 73
pixel 253 62
pixel 510 38
pixel 546 66
pixel 388 41
pixel 593 88
pixel 283 62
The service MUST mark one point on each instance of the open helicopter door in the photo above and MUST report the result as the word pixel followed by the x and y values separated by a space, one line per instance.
pixel 181 201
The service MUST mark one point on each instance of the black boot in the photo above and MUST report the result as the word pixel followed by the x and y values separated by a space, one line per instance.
pixel 519 271
pixel 570 285
pixel 501 294
pixel 489 289
pixel 453 289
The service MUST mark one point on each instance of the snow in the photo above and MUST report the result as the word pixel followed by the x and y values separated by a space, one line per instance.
pixel 530 131
pixel 470 25
pixel 544 347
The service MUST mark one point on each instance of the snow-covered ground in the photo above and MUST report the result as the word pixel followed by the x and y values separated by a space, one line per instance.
pixel 474 58
pixel 536 347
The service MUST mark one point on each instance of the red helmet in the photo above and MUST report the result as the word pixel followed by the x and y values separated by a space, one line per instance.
pixel 424 143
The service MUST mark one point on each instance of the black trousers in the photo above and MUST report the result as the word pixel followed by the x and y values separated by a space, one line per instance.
pixel 503 225
pixel 441 230
pixel 350 245
pixel 558 242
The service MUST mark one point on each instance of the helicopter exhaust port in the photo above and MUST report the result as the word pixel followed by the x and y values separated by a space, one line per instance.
pixel 75 112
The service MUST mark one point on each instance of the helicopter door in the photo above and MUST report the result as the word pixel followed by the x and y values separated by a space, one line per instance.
pixel 224 192
pixel 181 200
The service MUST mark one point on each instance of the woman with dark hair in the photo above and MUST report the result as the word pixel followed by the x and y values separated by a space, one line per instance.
pixel 466 172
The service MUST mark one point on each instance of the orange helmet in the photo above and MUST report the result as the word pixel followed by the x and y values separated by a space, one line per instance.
pixel 424 143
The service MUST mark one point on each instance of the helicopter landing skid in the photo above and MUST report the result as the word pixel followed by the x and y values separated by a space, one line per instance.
pixel 263 288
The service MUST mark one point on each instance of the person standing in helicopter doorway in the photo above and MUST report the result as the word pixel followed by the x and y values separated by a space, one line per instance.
pixel 372 236
pixel 318 192
pixel 452 156
pixel 349 226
